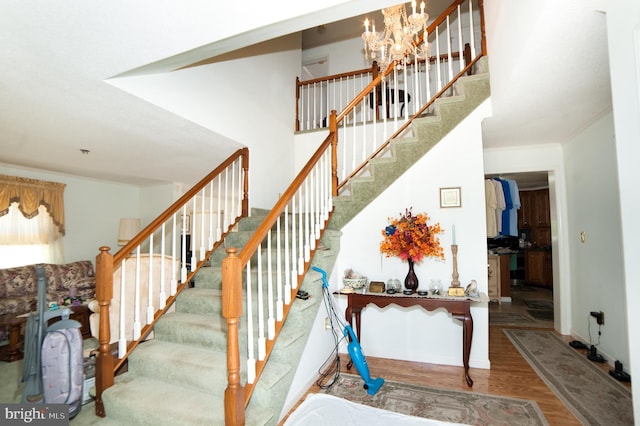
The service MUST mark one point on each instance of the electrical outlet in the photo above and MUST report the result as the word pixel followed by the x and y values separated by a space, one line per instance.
pixel 599 316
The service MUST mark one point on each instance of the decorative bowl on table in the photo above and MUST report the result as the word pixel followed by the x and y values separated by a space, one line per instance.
pixel 354 283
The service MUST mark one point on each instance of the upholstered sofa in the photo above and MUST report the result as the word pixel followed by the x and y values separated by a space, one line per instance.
pixel 19 285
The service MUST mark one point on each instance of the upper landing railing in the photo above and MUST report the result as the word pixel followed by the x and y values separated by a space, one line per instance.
pixel 377 105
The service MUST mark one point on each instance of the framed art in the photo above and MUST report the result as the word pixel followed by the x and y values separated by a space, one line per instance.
pixel 450 197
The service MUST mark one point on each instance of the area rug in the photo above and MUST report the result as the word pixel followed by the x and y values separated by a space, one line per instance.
pixel 539 304
pixel 590 393
pixel 541 314
pixel 516 319
pixel 320 409
pixel 440 404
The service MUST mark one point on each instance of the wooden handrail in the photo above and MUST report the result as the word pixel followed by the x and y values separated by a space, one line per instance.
pixel 106 365
pixel 373 69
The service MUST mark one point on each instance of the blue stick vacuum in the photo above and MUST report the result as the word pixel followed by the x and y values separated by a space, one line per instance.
pixel 355 351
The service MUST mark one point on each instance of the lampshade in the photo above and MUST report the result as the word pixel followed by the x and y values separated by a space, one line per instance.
pixel 129 227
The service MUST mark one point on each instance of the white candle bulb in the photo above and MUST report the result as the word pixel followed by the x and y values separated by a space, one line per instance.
pixel 366 25
pixel 454 235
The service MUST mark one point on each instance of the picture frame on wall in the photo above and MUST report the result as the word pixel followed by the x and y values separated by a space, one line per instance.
pixel 450 197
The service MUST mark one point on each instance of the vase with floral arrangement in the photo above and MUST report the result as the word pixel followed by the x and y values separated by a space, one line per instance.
pixel 410 238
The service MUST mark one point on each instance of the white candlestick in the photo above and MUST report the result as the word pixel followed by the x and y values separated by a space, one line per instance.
pixel 454 235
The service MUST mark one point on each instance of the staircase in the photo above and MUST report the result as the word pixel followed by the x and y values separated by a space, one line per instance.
pixel 179 377
pixel 468 93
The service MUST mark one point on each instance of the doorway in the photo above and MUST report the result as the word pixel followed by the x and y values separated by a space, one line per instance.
pixel 527 294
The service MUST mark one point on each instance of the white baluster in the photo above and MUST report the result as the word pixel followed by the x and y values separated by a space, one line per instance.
pixel 472 31
pixel 287 277
pixel 183 256
pixel 450 59
pixel 162 297
pixel 439 78
pixel 300 234
pixel 150 310
pixel 294 251
pixel 202 227
pixel 194 259
pixel 226 200
pixel 460 50
pixel 271 322
pixel 251 362
pixel 307 248
pixel 211 240
pixel 262 343
pixel 122 341
pixel 279 301
pixel 136 299
pixel 174 256
pixel 219 212
pixel 232 203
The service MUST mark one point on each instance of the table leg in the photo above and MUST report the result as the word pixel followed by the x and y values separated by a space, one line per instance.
pixel 467 336
pixel 13 351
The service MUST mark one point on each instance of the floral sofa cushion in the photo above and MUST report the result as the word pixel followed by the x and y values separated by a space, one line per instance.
pixel 19 286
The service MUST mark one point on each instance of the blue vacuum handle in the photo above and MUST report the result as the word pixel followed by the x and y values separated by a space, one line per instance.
pixel 325 284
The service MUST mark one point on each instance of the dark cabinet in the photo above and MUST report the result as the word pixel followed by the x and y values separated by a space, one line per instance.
pixel 539 268
pixel 525 215
pixel 534 217
pixel 541 203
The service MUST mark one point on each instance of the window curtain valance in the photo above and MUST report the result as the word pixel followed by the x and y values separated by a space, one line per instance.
pixel 30 194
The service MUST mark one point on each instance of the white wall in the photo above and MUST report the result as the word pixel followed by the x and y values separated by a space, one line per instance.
pixel 396 330
pixel 246 97
pixel 623 31
pixel 597 281
pixel 343 56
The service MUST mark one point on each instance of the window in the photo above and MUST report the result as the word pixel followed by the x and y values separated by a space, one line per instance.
pixel 31 221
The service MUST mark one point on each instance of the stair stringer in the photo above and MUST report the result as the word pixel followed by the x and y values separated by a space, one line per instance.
pixel 271 393
pixel 470 92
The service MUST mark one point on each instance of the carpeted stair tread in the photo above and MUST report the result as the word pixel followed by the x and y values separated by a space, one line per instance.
pixel 204 301
pixel 191 329
pixel 146 401
pixel 195 368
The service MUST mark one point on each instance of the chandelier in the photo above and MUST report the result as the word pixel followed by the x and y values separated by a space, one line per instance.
pixel 398 42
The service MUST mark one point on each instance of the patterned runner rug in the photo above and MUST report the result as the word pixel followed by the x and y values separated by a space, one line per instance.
pixel 590 393
pixel 440 404
pixel 517 319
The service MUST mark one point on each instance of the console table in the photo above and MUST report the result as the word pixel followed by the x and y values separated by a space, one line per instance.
pixel 458 307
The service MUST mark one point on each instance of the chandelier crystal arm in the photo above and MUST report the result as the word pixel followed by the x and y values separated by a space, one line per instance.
pixel 400 37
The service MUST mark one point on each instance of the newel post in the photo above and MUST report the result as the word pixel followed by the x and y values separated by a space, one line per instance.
pixel 104 293
pixel 232 310
pixel 333 129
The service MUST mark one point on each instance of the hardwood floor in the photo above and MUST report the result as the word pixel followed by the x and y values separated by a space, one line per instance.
pixel 510 374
